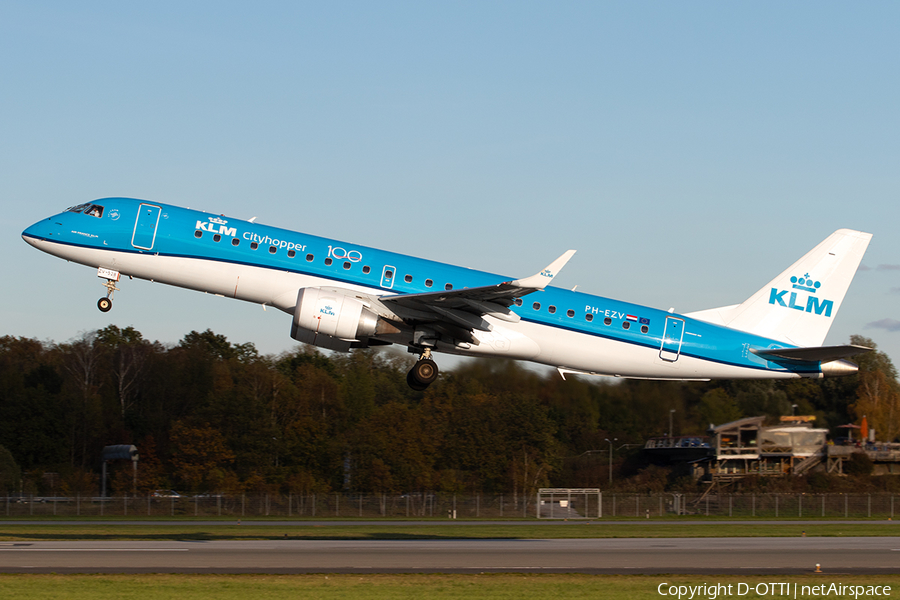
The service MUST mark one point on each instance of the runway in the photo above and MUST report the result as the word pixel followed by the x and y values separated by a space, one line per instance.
pixel 445 522
pixel 837 555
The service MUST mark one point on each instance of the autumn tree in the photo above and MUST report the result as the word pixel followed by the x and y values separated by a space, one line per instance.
pixel 878 393
pixel 200 456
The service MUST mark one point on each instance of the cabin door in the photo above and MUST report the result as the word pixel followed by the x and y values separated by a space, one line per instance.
pixel 671 343
pixel 145 227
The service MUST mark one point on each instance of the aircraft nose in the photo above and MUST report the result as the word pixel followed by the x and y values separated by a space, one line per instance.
pixel 36 232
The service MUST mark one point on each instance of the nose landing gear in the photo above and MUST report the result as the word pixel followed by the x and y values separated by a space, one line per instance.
pixel 423 373
pixel 111 277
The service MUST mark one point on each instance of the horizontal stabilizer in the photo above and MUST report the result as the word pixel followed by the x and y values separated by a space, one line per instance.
pixel 818 354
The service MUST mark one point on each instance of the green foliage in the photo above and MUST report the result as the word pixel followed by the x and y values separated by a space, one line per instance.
pixel 208 415
pixel 717 407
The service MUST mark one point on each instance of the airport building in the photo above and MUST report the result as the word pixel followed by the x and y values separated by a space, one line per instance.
pixel 748 446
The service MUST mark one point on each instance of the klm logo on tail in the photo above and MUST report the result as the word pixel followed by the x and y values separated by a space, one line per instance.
pixel 796 298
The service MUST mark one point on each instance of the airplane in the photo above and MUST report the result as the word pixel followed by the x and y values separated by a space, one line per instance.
pixel 343 296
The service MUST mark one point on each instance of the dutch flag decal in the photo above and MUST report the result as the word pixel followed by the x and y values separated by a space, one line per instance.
pixel 631 317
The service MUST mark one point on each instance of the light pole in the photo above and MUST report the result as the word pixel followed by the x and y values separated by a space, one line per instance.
pixel 671 414
pixel 793 408
pixel 610 456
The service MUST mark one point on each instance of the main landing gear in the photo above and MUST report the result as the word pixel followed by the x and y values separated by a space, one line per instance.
pixel 423 373
pixel 111 277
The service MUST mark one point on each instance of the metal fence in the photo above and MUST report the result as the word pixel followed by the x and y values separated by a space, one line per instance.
pixel 444 506
pixel 276 505
pixel 800 506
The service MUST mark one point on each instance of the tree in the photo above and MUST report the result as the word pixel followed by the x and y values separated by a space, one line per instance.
pixel 717 407
pixel 81 361
pixel 199 456
pixel 878 394
pixel 395 450
pixel 128 355
pixel 9 472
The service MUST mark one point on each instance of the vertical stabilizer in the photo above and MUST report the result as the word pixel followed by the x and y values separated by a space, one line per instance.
pixel 799 306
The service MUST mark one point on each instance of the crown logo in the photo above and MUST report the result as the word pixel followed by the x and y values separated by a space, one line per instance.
pixel 806 283
pixel 218 220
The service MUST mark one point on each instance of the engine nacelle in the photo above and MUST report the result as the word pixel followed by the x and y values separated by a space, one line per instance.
pixel 331 313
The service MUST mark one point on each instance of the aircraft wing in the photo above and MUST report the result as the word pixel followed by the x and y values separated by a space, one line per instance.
pixel 464 309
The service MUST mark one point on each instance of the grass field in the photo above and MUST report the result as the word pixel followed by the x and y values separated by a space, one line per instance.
pixel 372 587
pixel 572 530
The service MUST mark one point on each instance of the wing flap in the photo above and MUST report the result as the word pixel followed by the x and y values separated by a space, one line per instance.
pixel 466 308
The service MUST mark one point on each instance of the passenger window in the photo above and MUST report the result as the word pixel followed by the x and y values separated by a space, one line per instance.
pixel 644 329
pixel 235 241
pixel 217 238
pixel 254 245
pixel 197 234
pixel 328 262
pixel 291 254
pixel 272 249
pixel 517 301
pixel 589 317
pixel 551 309
pixel 570 313
pixel 536 306
pixel 367 269
pixel 428 283
pixel 346 265
pixel 607 321
pixel 310 258
pixel 388 274
pixel 626 324
pixel 448 287
pixel 408 278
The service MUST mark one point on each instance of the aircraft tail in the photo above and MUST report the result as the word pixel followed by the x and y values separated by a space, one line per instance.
pixel 799 306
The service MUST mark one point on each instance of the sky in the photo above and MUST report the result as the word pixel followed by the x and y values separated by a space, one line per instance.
pixel 689 151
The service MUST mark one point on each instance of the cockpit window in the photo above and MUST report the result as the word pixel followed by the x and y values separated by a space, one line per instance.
pixel 93 210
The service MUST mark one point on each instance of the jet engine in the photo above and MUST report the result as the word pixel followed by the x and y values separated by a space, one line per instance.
pixel 331 319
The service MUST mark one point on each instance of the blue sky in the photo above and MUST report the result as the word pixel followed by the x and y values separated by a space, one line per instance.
pixel 689 151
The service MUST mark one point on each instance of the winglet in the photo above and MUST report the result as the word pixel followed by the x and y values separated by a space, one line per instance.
pixel 541 280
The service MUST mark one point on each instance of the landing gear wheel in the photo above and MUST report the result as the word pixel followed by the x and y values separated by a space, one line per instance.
pixel 104 304
pixel 411 382
pixel 423 374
